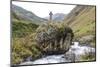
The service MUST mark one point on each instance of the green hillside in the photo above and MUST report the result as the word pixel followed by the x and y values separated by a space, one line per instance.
pixel 23 43
pixel 25 15
pixel 82 20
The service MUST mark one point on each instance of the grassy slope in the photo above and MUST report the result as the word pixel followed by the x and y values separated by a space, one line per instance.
pixel 21 29
pixel 23 44
pixel 84 23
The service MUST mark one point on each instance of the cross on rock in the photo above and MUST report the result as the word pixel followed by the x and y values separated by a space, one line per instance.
pixel 50 16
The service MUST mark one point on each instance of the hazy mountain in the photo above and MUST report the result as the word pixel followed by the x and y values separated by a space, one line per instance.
pixel 22 14
pixel 57 17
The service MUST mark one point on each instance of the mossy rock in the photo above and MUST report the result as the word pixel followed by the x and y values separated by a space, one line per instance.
pixel 54 37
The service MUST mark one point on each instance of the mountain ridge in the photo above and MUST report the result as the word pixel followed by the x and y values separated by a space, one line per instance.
pixel 58 17
pixel 83 21
pixel 23 14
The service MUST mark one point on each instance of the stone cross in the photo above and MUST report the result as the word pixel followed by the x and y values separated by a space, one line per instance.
pixel 50 16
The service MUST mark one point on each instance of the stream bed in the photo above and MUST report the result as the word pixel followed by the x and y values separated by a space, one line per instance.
pixel 75 48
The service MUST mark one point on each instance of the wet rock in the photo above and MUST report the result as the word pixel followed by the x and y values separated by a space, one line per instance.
pixel 70 56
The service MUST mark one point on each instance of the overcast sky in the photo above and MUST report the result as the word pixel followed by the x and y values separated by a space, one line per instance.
pixel 68 1
pixel 42 10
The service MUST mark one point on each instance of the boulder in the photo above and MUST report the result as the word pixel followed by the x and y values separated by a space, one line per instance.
pixel 70 56
pixel 53 38
pixel 85 39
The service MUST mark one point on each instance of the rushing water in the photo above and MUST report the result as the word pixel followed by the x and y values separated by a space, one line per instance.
pixel 76 49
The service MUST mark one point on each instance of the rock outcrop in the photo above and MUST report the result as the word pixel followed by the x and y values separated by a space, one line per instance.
pixel 70 56
pixel 87 40
pixel 53 38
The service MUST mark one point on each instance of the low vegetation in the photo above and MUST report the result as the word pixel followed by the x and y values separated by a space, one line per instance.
pixel 21 29
pixel 23 43
pixel 22 48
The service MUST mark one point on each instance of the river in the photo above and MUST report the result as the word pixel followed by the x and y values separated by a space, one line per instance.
pixel 75 48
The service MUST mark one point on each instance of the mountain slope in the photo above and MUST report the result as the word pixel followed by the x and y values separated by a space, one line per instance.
pixel 58 16
pixel 24 24
pixel 82 20
pixel 22 14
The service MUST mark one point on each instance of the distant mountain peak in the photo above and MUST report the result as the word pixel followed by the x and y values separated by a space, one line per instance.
pixel 57 17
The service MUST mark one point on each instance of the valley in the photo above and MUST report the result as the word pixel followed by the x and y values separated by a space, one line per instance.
pixel 34 37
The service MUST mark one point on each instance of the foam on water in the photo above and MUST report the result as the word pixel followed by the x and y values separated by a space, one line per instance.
pixel 76 48
pixel 48 59
pixel 79 50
